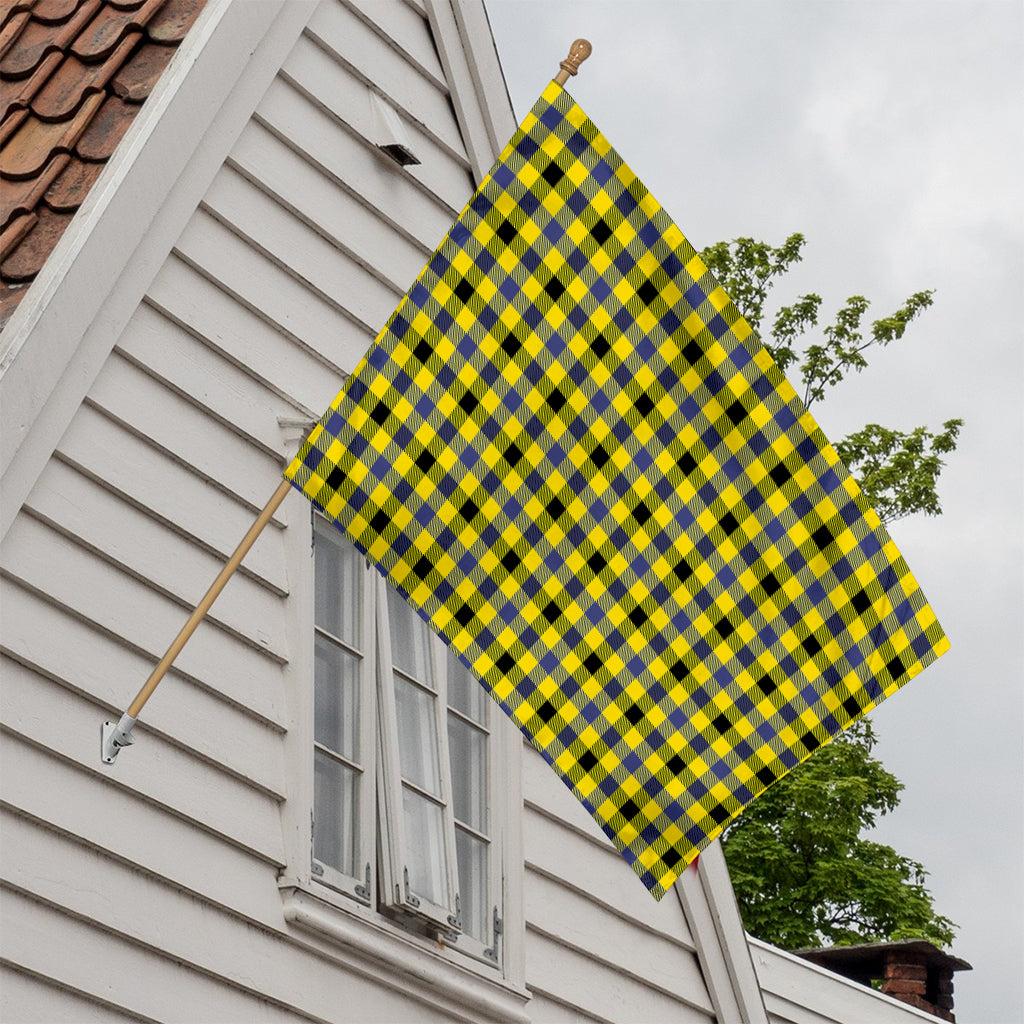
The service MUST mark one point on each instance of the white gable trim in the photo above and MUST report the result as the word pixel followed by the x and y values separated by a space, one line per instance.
pixel 709 904
pixel 471 65
pixel 66 325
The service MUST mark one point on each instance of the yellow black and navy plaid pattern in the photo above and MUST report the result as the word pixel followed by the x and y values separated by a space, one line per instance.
pixel 570 453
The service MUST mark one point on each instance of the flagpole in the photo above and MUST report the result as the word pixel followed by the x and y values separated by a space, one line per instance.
pixel 114 737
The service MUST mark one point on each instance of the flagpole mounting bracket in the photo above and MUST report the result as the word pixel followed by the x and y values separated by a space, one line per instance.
pixel 114 736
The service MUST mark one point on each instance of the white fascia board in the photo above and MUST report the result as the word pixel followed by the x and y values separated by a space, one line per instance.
pixel 823 994
pixel 709 903
pixel 470 61
pixel 54 345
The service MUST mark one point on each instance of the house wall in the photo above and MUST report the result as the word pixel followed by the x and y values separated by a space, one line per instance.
pixel 153 890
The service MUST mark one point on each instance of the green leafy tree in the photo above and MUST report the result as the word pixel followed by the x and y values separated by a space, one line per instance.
pixel 803 870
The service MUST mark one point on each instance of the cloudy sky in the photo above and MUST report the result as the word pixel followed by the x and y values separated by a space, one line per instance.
pixel 889 133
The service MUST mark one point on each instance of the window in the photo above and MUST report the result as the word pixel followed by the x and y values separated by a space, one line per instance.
pixel 404 751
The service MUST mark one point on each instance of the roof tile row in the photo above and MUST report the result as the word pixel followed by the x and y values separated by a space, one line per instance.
pixel 73 75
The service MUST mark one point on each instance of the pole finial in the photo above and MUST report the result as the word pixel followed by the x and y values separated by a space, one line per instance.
pixel 578 53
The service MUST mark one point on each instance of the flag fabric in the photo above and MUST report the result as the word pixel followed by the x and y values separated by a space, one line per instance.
pixel 573 457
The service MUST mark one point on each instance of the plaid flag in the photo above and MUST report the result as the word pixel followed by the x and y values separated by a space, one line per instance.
pixel 572 456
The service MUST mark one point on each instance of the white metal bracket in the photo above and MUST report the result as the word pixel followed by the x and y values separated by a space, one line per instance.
pixel 114 737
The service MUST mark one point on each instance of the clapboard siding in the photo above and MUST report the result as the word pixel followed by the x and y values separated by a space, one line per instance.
pixel 35 708
pixel 31 1000
pixel 316 261
pixel 78 955
pixel 347 101
pixel 135 831
pixel 357 46
pixel 198 374
pixel 52 566
pixel 796 992
pixel 601 988
pixel 166 490
pixel 559 832
pixel 330 144
pixel 241 954
pixel 630 947
pixel 93 518
pixel 197 305
pixel 407 32
pixel 272 291
pixel 82 659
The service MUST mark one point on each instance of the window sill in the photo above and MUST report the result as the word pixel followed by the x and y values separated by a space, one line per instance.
pixel 409 966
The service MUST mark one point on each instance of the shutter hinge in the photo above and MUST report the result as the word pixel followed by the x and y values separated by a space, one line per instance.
pixel 412 900
pixel 363 891
pixel 492 953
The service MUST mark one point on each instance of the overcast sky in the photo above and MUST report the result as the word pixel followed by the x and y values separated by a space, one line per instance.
pixel 890 134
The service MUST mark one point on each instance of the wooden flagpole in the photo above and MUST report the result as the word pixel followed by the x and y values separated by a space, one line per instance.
pixel 115 736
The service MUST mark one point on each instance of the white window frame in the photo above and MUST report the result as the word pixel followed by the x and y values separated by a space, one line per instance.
pixel 396 848
pixel 358 886
pixel 343 915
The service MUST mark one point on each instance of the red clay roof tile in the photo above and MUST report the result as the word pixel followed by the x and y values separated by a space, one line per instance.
pixel 173 20
pixel 8 8
pixel 22 196
pixel 15 232
pixel 11 30
pixel 106 129
pixel 28 258
pixel 54 11
pixel 70 83
pixel 11 124
pixel 135 81
pixel 73 184
pixel 28 150
pixel 109 27
pixel 71 78
pixel 19 94
pixel 38 39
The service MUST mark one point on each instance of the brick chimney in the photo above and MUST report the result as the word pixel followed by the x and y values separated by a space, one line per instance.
pixel 912 970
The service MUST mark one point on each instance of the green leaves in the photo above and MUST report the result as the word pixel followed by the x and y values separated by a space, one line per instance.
pixel 898 471
pixel 803 871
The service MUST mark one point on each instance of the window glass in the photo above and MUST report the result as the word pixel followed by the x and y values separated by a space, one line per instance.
pixel 467 746
pixel 410 639
pixel 424 830
pixel 338 584
pixel 417 735
pixel 336 811
pixel 465 693
pixel 473 884
pixel 336 707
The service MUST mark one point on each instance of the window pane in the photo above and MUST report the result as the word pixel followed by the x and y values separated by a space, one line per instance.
pixel 417 736
pixel 424 837
pixel 410 639
pixel 335 814
pixel 472 857
pixel 465 693
pixel 467 748
pixel 336 715
pixel 339 569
